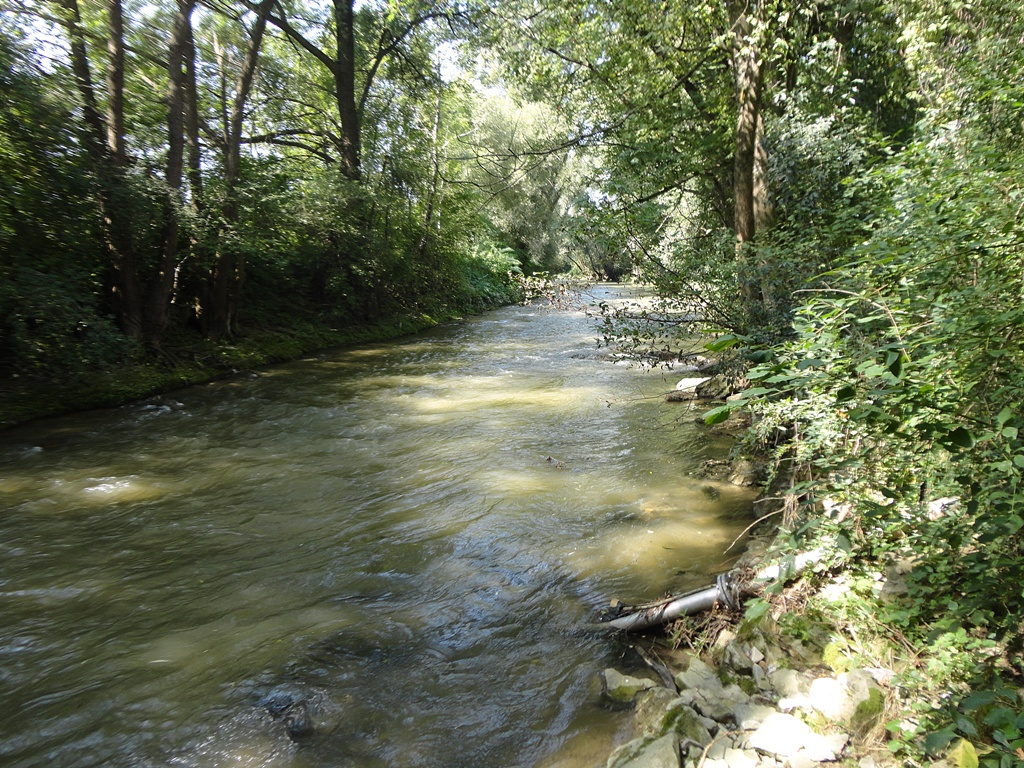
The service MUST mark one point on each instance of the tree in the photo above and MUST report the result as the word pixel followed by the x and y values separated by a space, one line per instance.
pixel 344 67
pixel 105 142
pixel 220 315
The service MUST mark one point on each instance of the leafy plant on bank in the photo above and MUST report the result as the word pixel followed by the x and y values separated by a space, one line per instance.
pixel 904 383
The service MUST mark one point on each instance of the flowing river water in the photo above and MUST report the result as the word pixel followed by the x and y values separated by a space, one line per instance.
pixel 412 539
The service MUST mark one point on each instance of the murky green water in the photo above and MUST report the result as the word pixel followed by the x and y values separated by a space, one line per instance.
pixel 378 532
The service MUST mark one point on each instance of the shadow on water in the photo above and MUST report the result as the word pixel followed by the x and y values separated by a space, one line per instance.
pixel 385 556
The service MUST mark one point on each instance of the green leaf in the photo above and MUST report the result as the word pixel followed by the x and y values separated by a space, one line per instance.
pixel 964 755
pixel 717 415
pixel 896 368
pixel 960 437
pixel 845 394
pixel 936 741
pixel 756 610
pixel 724 342
pixel 1004 416
pixel 977 700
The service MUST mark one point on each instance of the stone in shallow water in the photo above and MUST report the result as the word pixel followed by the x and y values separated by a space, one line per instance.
pixel 622 689
pixel 643 753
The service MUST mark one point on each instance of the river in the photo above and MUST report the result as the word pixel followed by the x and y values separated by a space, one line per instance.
pixel 411 538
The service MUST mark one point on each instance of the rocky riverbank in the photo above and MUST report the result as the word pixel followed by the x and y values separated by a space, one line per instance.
pixel 757 698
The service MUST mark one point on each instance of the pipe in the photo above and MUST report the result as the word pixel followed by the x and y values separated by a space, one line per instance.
pixel 653 614
pixel 635 618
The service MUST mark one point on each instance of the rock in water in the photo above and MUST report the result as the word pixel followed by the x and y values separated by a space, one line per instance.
pixel 645 753
pixel 622 689
pixel 292 712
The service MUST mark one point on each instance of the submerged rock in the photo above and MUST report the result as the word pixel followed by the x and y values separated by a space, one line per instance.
pixel 745 472
pixel 662 752
pixel 623 689
pixel 292 711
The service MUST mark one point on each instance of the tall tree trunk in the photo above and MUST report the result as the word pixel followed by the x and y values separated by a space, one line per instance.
pixel 159 300
pixel 749 77
pixel 345 89
pixel 435 179
pixel 764 209
pixel 191 107
pixel 104 142
pixel 228 274
pixel 115 81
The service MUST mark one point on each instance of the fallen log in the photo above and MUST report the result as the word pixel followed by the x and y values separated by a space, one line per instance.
pixel 726 590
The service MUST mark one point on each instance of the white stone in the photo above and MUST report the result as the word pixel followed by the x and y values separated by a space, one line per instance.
pixel 691 382
pixel 749 716
pixel 790 682
pixel 801 760
pixel 828 696
pixel 784 736
pixel 793 703
pixel 739 758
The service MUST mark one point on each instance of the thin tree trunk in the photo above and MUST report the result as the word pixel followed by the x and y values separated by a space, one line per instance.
pixel 159 299
pixel 749 75
pixel 191 107
pixel 115 81
pixel 103 142
pixel 764 210
pixel 345 89
pixel 435 179
pixel 229 270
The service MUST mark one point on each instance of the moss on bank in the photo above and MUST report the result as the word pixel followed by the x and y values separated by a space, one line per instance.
pixel 187 360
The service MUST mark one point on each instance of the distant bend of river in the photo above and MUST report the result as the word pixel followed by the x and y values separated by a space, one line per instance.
pixel 410 541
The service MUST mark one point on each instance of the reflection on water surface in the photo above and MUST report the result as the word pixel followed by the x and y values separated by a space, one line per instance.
pixel 407 541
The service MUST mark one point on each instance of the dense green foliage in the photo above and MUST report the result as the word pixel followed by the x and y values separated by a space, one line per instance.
pixel 233 173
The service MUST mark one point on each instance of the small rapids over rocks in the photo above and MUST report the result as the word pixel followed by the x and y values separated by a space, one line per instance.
pixel 389 555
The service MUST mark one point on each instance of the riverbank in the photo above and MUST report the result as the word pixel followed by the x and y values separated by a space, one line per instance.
pixel 760 688
pixel 833 665
pixel 189 359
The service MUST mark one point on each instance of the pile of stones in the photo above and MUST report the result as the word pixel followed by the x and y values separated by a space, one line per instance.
pixel 746 706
